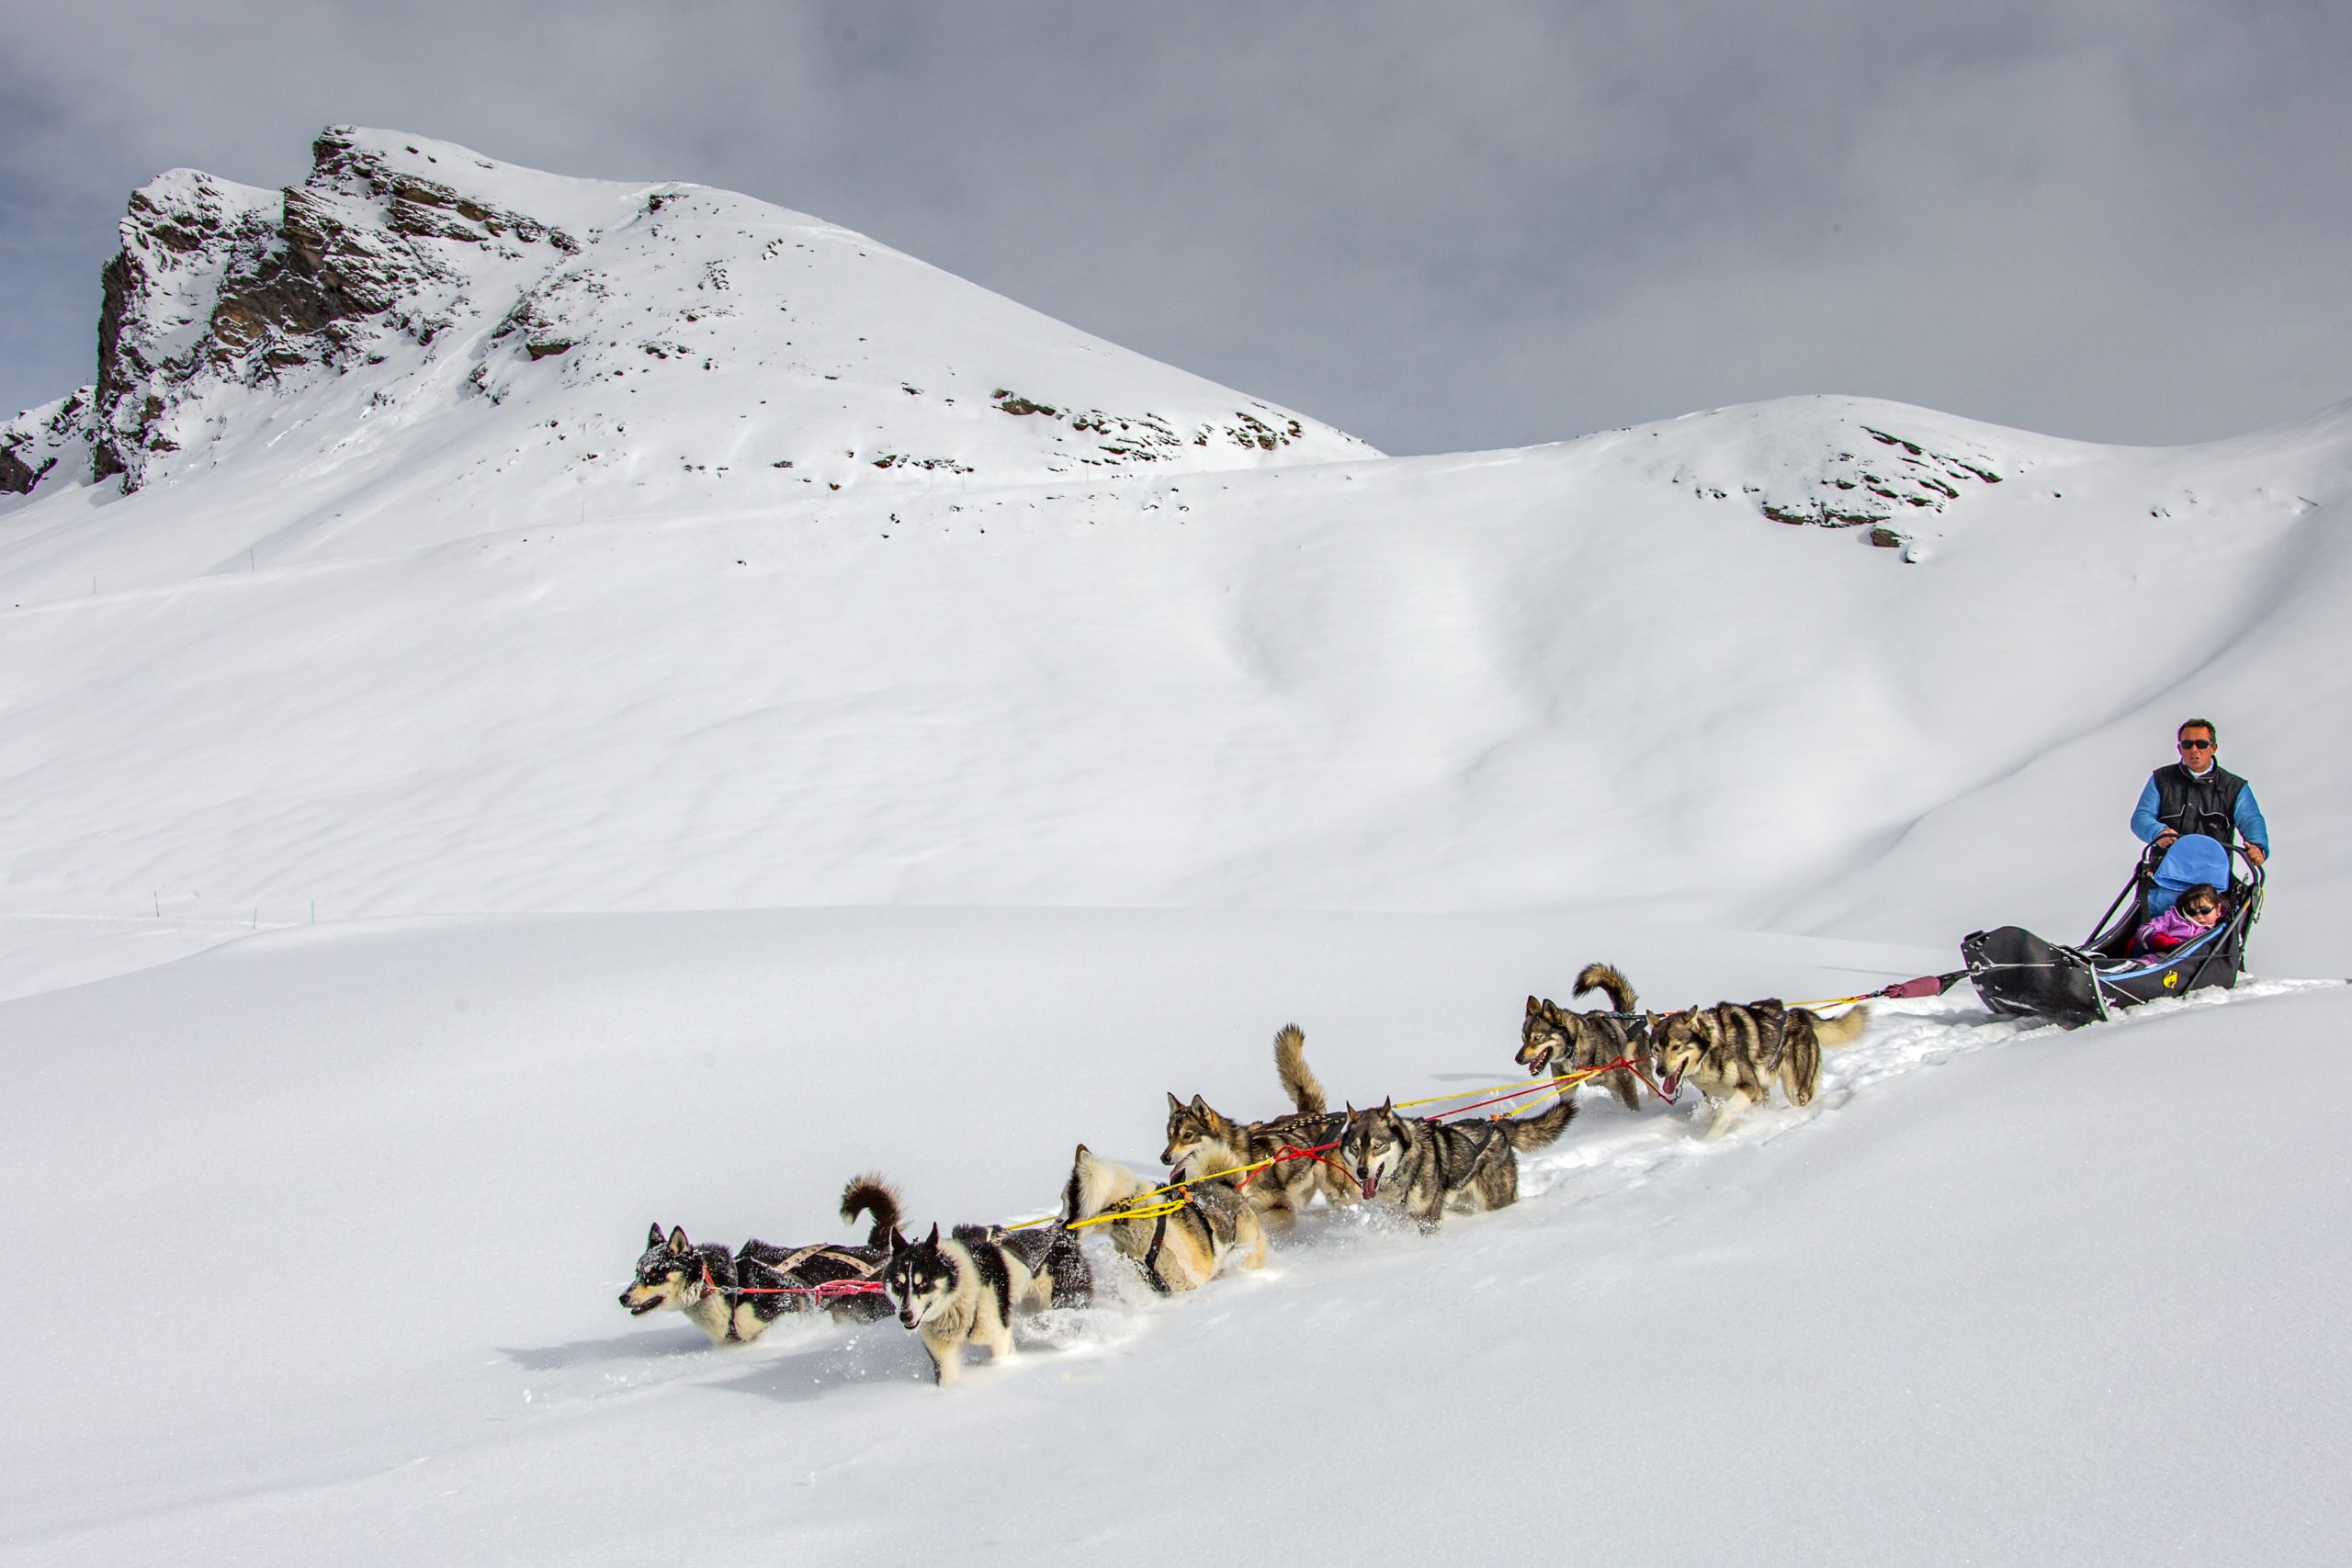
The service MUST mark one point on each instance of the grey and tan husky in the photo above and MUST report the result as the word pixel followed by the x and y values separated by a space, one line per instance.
pixel 1179 1248
pixel 733 1297
pixel 964 1289
pixel 1733 1052
pixel 1201 1140
pixel 1555 1040
pixel 1425 1167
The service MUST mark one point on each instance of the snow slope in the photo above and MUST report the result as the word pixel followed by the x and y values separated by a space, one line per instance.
pixel 1548 677
pixel 323 1231
pixel 400 617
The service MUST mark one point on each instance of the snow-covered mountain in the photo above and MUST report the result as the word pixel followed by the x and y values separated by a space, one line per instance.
pixel 561 332
pixel 450 565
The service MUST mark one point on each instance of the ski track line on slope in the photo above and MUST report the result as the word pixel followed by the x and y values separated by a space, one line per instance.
pixel 1622 1153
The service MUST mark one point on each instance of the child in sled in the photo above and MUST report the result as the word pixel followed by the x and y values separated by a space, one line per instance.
pixel 2192 916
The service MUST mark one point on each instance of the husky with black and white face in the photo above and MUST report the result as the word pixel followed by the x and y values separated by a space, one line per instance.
pixel 705 1282
pixel 964 1289
pixel 734 1296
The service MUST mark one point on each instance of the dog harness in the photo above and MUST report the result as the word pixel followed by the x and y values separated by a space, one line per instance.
pixel 1150 1260
pixel 1151 1256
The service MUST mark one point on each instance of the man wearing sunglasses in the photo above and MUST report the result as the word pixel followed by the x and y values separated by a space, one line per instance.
pixel 2196 795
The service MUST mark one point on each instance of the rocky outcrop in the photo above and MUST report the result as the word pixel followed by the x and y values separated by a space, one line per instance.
pixel 52 439
pixel 17 476
pixel 606 332
pixel 218 282
pixel 1888 473
pixel 1143 437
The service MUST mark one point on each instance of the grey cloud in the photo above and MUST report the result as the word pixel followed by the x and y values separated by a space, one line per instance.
pixel 1475 226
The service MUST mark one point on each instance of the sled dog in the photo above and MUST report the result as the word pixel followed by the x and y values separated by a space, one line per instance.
pixel 1201 1140
pixel 1179 1250
pixel 965 1288
pixel 734 1297
pixel 1554 1041
pixel 1733 1053
pixel 1425 1167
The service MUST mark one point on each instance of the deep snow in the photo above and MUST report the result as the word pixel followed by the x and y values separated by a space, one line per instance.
pixel 940 821
pixel 325 1227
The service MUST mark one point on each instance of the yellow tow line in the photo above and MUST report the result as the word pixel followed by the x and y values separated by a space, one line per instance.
pixel 1129 1209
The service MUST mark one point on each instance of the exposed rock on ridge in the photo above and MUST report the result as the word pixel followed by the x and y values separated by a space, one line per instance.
pixel 398 258
pixel 280 282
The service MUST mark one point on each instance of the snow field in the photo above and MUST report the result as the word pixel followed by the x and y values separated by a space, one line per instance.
pixel 364 1197
pixel 1422 683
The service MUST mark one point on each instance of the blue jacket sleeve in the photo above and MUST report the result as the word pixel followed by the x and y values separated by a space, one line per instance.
pixel 2248 820
pixel 2143 816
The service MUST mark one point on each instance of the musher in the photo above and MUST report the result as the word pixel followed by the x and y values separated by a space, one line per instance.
pixel 2196 795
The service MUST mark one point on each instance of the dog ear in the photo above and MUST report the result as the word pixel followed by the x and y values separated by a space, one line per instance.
pixel 1082 1157
pixel 1175 1105
pixel 1200 1105
pixel 678 1242
pixel 1533 1007
pixel 933 1239
pixel 653 1237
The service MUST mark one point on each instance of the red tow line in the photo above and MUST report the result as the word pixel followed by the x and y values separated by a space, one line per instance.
pixel 1287 1152
pixel 1625 1063
pixel 826 1291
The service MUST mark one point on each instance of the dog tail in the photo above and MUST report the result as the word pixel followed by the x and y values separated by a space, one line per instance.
pixel 1534 1131
pixel 872 1195
pixel 1299 1081
pixel 1843 1029
pixel 1610 978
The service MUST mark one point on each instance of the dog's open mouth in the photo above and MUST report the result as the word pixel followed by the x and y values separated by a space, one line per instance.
pixel 1370 1186
pixel 1670 1084
pixel 638 1309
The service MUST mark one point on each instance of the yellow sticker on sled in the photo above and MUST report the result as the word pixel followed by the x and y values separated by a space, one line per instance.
pixel 2172 978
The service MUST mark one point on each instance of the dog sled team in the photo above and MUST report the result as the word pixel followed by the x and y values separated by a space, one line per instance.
pixel 1233 1185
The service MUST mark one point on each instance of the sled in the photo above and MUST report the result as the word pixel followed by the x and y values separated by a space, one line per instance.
pixel 2019 975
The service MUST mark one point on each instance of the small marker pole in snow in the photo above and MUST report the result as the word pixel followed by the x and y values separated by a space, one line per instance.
pixel 159 904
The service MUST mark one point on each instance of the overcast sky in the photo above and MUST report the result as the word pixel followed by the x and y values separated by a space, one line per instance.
pixel 1439 227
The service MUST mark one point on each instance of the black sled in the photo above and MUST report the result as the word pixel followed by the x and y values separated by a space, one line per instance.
pixel 2019 975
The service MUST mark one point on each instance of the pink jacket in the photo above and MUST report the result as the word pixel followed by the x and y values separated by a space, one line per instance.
pixel 2168 931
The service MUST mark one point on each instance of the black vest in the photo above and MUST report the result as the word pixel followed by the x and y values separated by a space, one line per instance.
pixel 2187 803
